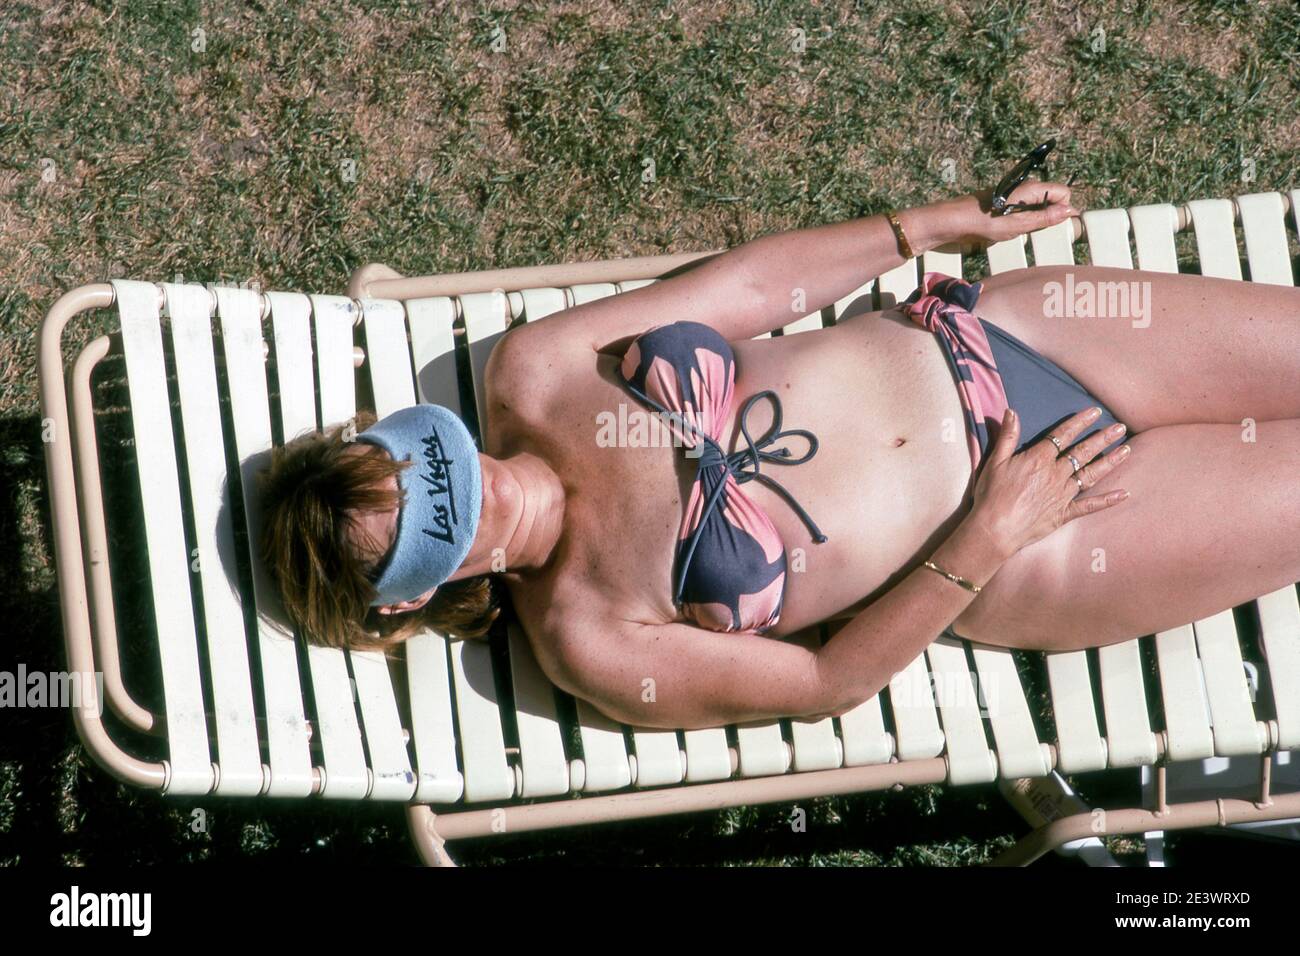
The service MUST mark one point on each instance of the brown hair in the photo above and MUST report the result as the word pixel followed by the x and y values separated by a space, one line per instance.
pixel 309 494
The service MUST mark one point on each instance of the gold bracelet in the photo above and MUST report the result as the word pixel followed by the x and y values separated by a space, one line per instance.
pixel 954 578
pixel 904 246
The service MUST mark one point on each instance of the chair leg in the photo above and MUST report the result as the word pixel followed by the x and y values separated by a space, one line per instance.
pixel 1042 841
pixel 428 842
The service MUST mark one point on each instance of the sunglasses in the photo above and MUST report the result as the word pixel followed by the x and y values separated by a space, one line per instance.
pixel 1036 159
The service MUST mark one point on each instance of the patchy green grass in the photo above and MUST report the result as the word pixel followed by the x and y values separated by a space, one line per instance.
pixel 148 138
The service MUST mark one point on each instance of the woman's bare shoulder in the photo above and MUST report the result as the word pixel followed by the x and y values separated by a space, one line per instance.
pixel 566 624
pixel 532 366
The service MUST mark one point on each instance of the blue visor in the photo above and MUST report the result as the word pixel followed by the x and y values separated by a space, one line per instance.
pixel 443 492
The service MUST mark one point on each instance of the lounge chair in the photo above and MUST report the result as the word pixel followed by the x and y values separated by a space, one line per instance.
pixel 476 743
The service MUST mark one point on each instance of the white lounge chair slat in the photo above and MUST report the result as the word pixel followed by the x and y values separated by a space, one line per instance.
pixel 338 730
pixel 592 291
pixel 393 386
pixel 1079 744
pixel 1236 731
pixel 488 775
pixel 899 282
pixel 1020 753
pixel 814 742
pixel 239 313
pixel 761 750
pixel 815 745
pixel 1107 231
pixel 604 753
pixel 1279 627
pixel 428 673
pixel 863 733
pixel 941 260
pixel 433 734
pixel 916 721
pixel 866 292
pixel 544 768
pixel 390 764
pixel 658 757
pixel 1263 223
pixel 969 758
pixel 388 356
pixel 1007 256
pixel 487 317
pixel 169 561
pixel 433 349
pixel 1182 691
pixel 707 755
pixel 806 323
pixel 627 285
pixel 1216 238
pixel 238 751
pixel 1130 742
pixel 539 303
pixel 1054 246
pixel 1153 236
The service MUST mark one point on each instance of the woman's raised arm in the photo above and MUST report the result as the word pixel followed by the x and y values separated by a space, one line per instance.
pixel 770 281
pixel 815 268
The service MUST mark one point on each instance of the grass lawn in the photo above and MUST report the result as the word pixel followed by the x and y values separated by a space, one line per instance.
pixel 288 143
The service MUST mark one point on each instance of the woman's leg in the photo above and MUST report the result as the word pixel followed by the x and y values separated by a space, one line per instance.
pixel 1184 349
pixel 1213 521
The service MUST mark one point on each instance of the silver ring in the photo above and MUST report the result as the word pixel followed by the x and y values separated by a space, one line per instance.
pixel 1057 442
pixel 1075 462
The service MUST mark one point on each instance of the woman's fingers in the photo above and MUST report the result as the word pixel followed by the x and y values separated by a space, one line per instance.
pixel 1067 432
pixel 1090 447
pixel 1008 437
pixel 1094 503
pixel 1095 471
pixel 1035 192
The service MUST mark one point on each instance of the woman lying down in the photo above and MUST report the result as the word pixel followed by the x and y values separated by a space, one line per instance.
pixel 976 459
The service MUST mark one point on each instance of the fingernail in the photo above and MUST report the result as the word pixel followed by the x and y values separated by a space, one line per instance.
pixel 1118 428
pixel 1126 450
pixel 1123 495
pixel 1093 412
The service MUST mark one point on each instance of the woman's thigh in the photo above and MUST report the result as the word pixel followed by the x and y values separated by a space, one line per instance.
pixel 1212 521
pixel 1182 348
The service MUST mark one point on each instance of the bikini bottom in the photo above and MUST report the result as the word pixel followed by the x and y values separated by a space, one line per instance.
pixel 994 369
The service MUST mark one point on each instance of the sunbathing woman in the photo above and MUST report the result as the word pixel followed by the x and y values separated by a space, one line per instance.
pixel 657 582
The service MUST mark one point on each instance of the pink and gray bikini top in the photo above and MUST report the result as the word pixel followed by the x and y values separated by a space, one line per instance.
pixel 730 566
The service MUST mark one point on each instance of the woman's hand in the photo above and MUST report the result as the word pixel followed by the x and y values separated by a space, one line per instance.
pixel 1022 497
pixel 974 225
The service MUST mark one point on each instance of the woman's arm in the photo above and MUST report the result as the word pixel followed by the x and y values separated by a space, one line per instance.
pixel 758 285
pixel 679 676
pixel 824 264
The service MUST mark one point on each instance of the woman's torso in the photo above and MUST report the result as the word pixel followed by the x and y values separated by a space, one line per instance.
pixel 886 485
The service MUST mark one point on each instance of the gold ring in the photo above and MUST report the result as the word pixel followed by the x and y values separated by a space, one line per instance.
pixel 1057 442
